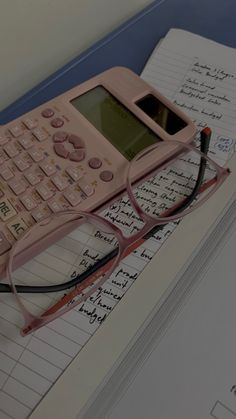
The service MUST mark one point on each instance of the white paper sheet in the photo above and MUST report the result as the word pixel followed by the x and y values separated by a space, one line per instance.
pixel 191 373
pixel 199 76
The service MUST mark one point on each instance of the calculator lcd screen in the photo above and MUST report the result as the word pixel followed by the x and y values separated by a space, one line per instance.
pixel 115 122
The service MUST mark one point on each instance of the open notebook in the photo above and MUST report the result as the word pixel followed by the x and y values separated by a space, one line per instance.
pixel 205 89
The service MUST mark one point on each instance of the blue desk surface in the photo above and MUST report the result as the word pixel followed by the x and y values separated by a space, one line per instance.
pixel 131 44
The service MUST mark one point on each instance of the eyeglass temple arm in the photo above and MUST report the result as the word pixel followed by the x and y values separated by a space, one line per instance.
pixel 205 137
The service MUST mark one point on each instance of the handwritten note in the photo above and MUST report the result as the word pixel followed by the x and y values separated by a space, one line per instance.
pixel 203 89
pixel 182 70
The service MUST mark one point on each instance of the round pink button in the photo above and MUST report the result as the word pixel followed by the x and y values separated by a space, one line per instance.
pixel 106 176
pixel 60 137
pixel 57 122
pixel 47 113
pixel 95 163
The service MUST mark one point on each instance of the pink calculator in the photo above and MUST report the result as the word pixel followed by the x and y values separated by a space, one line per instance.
pixel 73 151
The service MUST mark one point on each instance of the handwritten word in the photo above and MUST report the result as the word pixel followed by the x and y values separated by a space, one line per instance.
pixel 106 238
pixel 126 274
pixel 211 71
pixel 92 314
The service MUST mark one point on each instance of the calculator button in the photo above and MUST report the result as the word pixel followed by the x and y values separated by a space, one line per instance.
pixel 76 141
pixel 60 137
pixel 16 130
pixel 54 205
pixel 73 197
pixel 30 123
pixel 48 168
pixel 77 155
pixel 61 151
pixel 36 155
pixel 95 163
pixel 74 173
pixel 11 150
pixel 6 210
pixel 44 191
pixel 47 113
pixel 40 134
pixel 21 163
pixel 17 227
pixel 106 176
pixel 6 173
pixel 57 122
pixel 17 186
pixel 26 142
pixel 33 178
pixel 4 244
pixel 85 187
pixel 28 202
pixel 39 214
pixel 60 182
pixel 3 140
pixel 1 193
pixel 3 157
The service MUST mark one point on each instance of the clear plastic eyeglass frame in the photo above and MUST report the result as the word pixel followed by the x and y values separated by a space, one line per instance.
pixel 84 289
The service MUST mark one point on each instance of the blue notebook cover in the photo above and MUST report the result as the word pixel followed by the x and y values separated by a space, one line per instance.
pixel 131 44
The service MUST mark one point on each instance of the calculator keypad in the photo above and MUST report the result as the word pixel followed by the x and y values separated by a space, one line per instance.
pixel 44 169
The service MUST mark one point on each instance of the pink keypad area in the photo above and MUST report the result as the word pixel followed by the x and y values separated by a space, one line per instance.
pixel 45 168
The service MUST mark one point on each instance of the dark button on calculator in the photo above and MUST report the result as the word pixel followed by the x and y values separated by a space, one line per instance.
pixel 57 122
pixel 106 176
pixel 47 113
pixel 95 163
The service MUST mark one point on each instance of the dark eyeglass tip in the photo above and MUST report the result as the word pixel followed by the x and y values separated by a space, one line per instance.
pixel 206 131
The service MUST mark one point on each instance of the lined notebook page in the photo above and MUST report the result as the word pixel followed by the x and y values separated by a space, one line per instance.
pixel 29 366
pixel 199 76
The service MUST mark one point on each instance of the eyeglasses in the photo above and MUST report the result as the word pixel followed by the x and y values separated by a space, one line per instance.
pixel 179 184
